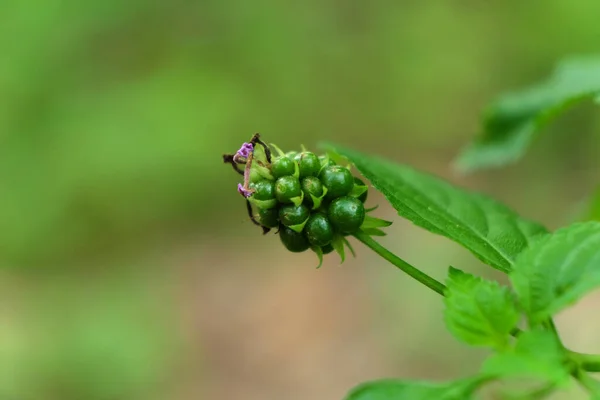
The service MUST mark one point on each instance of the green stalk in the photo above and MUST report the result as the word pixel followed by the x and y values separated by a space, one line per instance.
pixel 413 272
pixel 584 362
pixel 589 383
pixel 587 362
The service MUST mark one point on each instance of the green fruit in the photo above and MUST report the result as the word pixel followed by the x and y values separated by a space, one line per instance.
pixel 292 240
pixel 287 188
pixel 327 249
pixel 268 218
pixel 318 230
pixel 290 215
pixel 346 214
pixel 308 163
pixel 311 186
pixel 359 182
pixel 263 190
pixel 283 166
pixel 291 154
pixel 338 181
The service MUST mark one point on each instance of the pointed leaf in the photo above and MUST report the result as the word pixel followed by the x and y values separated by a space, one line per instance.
pixel 491 231
pixel 358 190
pixel 537 354
pixel 347 243
pixel 338 245
pixel 375 207
pixel 319 252
pixel 512 122
pixel 264 204
pixel 279 152
pixel 390 389
pixel 558 270
pixel 479 312
pixel 299 227
pixel 373 222
pixel 373 232
pixel 318 200
pixel 298 200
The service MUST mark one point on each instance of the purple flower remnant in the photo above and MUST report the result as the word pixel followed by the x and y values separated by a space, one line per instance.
pixel 243 191
pixel 243 152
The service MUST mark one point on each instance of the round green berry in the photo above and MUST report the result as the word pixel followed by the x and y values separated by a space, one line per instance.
pixel 292 240
pixel 268 217
pixel 338 181
pixel 263 190
pixel 291 154
pixel 359 182
pixel 311 186
pixel 308 163
pixel 327 249
pixel 318 230
pixel 346 214
pixel 290 215
pixel 286 188
pixel 283 166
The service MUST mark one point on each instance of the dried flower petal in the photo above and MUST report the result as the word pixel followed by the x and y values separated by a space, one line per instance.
pixel 244 151
pixel 243 191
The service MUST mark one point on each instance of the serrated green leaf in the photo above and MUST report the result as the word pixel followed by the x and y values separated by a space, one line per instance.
pixel 537 354
pixel 391 389
pixel 491 231
pixel 512 121
pixel 557 270
pixel 479 312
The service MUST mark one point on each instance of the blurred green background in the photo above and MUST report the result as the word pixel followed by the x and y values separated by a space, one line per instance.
pixel 129 267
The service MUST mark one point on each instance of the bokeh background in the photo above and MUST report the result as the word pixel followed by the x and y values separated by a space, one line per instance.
pixel 129 267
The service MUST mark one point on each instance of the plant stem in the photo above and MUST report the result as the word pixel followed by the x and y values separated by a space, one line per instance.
pixel 589 383
pixel 587 362
pixel 413 272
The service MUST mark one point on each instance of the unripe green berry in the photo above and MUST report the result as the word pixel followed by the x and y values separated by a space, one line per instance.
pixel 292 240
pixel 263 190
pixel 290 215
pixel 286 188
pixel 311 186
pixel 291 154
pixel 268 217
pixel 359 182
pixel 346 214
pixel 308 163
pixel 327 249
pixel 338 181
pixel 318 230
pixel 283 166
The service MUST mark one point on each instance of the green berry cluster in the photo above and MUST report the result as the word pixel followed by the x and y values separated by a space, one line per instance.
pixel 309 199
pixel 312 201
